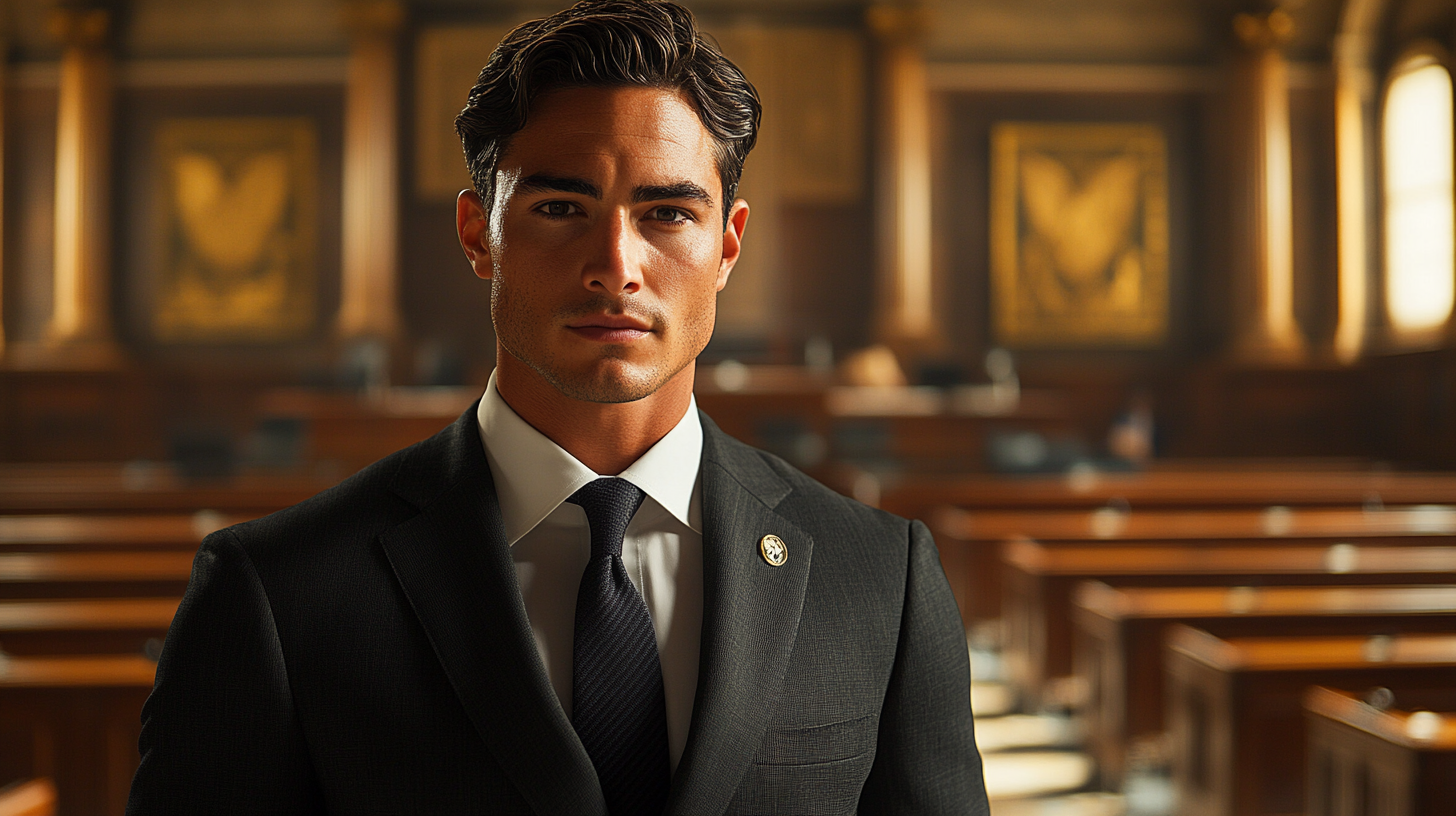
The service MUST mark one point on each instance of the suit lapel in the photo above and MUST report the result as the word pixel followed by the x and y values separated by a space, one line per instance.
pixel 750 621
pixel 455 567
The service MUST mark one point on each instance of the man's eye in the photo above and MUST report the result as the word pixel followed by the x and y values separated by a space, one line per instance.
pixel 557 209
pixel 670 215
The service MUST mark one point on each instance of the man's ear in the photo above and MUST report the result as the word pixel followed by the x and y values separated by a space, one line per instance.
pixel 472 224
pixel 732 240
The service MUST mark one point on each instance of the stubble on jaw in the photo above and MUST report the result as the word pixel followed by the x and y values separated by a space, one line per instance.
pixel 612 377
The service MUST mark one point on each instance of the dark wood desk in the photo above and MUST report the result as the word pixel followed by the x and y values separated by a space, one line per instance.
pixel 1040 577
pixel 1120 635
pixel 76 720
pixel 1236 715
pixel 1360 755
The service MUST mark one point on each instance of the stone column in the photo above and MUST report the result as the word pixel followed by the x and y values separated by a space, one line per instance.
pixel 1354 95
pixel 905 314
pixel 4 84
pixel 80 330
pixel 1265 330
pixel 369 308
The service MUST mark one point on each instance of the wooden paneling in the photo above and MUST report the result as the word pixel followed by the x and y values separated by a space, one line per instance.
pixel 1220 410
pixel 1414 406
pixel 71 417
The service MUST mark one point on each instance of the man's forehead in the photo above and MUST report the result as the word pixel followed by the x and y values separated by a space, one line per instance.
pixel 572 130
pixel 591 100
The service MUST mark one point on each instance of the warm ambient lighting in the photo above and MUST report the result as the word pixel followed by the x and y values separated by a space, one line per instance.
pixel 1420 248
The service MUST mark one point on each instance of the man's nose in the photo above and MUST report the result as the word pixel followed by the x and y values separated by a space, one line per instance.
pixel 615 265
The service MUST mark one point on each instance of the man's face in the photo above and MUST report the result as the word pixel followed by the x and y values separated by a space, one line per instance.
pixel 605 244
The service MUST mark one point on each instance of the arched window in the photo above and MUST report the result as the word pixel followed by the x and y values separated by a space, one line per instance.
pixel 1420 221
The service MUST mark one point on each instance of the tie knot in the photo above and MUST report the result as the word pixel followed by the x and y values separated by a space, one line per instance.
pixel 610 504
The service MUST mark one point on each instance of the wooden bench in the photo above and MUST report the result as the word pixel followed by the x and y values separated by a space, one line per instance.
pixel 89 626
pixel 45 488
pixel 1111 524
pixel 1235 708
pixel 1360 754
pixel 970 541
pixel 918 429
pixel 355 430
pixel 94 574
pixel 170 531
pixel 74 719
pixel 1230 484
pixel 1039 579
pixel 1120 635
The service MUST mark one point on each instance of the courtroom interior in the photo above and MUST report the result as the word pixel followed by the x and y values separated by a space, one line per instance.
pixel 1145 307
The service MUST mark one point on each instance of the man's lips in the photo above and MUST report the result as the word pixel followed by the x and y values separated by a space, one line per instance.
pixel 610 328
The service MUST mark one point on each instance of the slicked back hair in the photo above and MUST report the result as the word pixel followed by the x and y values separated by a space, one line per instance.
pixel 608 43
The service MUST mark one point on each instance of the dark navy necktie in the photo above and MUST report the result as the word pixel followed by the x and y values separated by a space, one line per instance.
pixel 618 707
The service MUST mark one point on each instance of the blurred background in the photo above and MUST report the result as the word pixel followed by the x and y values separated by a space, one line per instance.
pixel 1228 221
pixel 1032 270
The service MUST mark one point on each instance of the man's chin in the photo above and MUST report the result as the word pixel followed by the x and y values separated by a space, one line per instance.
pixel 616 384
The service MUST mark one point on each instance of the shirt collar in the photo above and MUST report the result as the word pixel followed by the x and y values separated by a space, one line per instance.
pixel 533 475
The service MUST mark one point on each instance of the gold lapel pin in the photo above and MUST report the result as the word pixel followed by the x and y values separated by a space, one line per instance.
pixel 775 552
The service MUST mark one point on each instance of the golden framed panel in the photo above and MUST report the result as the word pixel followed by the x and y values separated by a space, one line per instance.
pixel 812 83
pixel 1079 235
pixel 238 213
pixel 448 60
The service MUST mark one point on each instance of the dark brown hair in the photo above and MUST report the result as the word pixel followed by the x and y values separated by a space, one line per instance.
pixel 651 43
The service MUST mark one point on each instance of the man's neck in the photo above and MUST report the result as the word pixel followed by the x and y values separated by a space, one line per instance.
pixel 606 437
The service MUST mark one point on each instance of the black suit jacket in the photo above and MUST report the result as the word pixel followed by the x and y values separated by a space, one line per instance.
pixel 367 651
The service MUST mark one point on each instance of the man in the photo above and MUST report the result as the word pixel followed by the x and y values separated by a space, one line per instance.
pixel 582 597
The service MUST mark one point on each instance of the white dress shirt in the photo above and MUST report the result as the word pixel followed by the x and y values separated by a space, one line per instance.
pixel 550 544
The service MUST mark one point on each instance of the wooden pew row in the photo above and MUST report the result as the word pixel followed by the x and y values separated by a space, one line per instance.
pixel 73 676
pixel 75 719
pixel 1040 577
pixel 1120 635
pixel 355 430
pixel 969 542
pixel 1389 761
pixel 163 531
pixel 89 626
pixel 130 488
pixel 94 574
pixel 1279 522
pixel 1235 713
pixel 1173 487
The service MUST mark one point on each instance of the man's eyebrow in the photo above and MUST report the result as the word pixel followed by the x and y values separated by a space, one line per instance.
pixel 543 183
pixel 660 192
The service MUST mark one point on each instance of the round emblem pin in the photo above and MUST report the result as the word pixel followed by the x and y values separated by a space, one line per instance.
pixel 775 552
